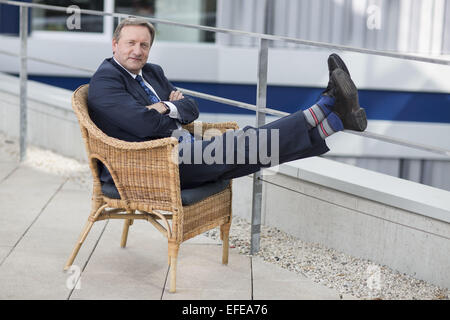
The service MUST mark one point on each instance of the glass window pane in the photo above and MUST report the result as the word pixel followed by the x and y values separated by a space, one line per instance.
pixel 199 12
pixel 51 20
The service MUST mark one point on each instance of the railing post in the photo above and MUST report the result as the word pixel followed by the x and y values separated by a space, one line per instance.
pixel 263 58
pixel 23 81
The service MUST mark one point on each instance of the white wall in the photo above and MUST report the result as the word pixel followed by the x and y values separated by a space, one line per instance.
pixel 390 221
pixel 51 122
pixel 418 26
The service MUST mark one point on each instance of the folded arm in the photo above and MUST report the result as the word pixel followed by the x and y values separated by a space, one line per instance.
pixel 186 107
pixel 110 103
pixel 167 107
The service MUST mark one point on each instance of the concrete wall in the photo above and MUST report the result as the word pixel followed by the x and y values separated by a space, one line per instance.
pixel 407 230
pixel 51 121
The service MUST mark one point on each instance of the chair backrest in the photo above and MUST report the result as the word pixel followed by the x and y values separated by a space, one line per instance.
pixel 143 172
pixel 79 105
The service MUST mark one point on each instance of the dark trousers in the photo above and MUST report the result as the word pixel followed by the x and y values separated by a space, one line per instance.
pixel 295 142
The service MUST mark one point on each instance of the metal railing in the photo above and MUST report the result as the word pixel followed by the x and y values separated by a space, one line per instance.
pixel 260 108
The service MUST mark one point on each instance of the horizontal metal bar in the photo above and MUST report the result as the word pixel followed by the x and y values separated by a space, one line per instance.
pixel 271 111
pixel 390 54
pixel 49 62
pixel 9 53
pixel 235 103
pixel 402 142
pixel 62 65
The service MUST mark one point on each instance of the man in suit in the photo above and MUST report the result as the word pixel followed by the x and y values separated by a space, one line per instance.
pixel 132 100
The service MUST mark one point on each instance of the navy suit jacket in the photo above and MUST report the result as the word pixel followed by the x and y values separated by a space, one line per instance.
pixel 117 103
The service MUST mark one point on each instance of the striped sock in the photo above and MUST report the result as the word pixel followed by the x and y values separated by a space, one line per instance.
pixel 330 125
pixel 318 112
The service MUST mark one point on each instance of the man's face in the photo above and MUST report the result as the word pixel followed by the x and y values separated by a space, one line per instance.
pixel 132 48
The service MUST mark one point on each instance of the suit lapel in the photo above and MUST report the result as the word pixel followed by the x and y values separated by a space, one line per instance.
pixel 151 80
pixel 133 84
pixel 139 89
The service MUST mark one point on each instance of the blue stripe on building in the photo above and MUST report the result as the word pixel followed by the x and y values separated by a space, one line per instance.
pixel 379 104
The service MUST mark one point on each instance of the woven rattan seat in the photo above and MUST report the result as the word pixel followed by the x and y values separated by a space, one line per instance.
pixel 146 177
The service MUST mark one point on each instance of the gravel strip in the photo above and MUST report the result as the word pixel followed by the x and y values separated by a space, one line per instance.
pixel 348 275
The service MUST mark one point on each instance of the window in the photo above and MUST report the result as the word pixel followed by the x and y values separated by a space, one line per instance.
pixel 199 12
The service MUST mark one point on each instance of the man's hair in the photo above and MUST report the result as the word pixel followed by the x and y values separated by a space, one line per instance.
pixel 133 21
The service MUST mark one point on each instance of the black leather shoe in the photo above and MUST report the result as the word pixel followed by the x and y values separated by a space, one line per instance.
pixel 334 62
pixel 347 105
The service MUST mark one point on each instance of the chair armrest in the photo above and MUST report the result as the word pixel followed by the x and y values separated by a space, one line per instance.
pixel 207 129
pixel 121 144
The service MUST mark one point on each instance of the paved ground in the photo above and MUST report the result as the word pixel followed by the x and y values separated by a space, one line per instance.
pixel 40 220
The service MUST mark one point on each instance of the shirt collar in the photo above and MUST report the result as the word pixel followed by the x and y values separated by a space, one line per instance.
pixel 130 73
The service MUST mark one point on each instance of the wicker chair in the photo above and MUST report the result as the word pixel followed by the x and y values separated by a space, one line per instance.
pixel 147 179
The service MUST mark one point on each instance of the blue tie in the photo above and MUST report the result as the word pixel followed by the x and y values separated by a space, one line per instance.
pixel 150 94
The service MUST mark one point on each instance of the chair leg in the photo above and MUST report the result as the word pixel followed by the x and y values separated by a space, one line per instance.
pixel 92 218
pixel 126 225
pixel 173 255
pixel 77 247
pixel 225 232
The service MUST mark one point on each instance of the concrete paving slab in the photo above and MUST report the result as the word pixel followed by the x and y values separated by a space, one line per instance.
pixel 22 201
pixel 216 293
pixel 31 272
pixel 202 239
pixel 201 274
pixel 58 227
pixel 110 286
pixel 6 168
pixel 271 282
pixel 137 271
pixel 4 251
pixel 8 157
pixel 33 275
pixel 67 212
pixel 146 250
pixel 34 269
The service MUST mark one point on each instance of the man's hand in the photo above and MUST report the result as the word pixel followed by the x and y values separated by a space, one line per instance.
pixel 160 107
pixel 176 95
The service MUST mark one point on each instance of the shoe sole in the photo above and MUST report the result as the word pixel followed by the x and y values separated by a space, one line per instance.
pixel 335 62
pixel 356 119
